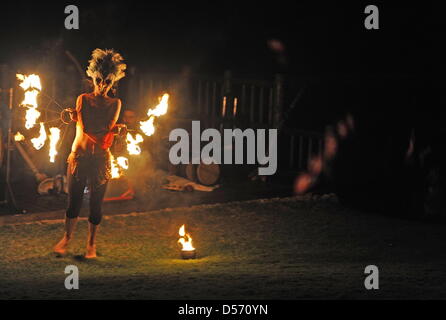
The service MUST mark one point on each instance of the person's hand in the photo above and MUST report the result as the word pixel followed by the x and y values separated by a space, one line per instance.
pixel 120 129
pixel 68 114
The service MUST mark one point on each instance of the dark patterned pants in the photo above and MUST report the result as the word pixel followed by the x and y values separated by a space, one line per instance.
pixel 91 169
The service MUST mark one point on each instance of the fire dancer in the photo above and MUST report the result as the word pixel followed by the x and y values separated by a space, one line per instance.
pixel 96 114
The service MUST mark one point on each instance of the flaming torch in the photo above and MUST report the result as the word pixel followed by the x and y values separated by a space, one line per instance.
pixel 187 251
pixel 54 138
pixel 161 109
pixel 31 85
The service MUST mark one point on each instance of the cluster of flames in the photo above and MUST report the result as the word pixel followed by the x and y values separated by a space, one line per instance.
pixel 32 87
pixel 148 128
pixel 185 240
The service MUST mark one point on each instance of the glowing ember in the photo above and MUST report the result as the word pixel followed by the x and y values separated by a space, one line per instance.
pixel 185 240
pixel 161 109
pixel 54 138
pixel 31 85
pixel 19 137
pixel 39 142
pixel 132 143
pixel 117 165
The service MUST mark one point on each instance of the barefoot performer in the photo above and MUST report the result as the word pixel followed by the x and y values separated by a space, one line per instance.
pixel 96 114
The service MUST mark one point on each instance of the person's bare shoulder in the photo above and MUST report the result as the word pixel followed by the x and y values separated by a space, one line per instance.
pixel 80 99
pixel 116 102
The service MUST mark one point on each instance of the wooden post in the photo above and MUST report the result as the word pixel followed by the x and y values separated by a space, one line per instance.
pixel 301 148
pixel 227 98
pixel 243 100
pixel 184 92
pixel 206 98
pixel 270 106
pixel 278 101
pixel 320 148
pixel 251 106
pixel 199 99
pixel 227 82
pixel 261 105
pixel 291 151
pixel 214 98
pixel 310 145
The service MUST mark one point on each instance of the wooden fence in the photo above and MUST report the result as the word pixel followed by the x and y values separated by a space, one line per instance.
pixel 229 102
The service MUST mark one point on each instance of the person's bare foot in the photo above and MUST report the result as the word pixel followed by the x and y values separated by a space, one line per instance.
pixel 91 252
pixel 61 246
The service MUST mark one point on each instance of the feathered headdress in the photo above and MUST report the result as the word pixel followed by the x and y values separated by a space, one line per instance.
pixel 106 64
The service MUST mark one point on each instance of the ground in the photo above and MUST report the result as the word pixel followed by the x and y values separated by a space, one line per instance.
pixel 281 248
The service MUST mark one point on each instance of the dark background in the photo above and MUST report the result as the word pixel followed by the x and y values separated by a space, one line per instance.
pixel 319 38
pixel 350 68
pixel 389 79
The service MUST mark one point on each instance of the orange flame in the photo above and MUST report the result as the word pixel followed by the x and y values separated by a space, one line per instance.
pixel 19 137
pixel 117 165
pixel 132 143
pixel 123 162
pixel 185 240
pixel 39 142
pixel 161 109
pixel 147 126
pixel 31 85
pixel 54 138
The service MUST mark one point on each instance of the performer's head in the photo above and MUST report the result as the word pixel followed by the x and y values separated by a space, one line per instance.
pixel 105 69
pixel 129 117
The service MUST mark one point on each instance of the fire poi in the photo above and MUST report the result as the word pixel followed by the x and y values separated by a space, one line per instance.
pixel 187 250
pixel 161 109
pixel 148 128
pixel 32 86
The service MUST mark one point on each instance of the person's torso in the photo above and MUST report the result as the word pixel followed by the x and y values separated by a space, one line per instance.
pixel 93 131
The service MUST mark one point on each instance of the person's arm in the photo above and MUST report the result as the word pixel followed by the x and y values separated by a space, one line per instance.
pixel 73 112
pixel 118 128
pixel 77 115
pixel 117 111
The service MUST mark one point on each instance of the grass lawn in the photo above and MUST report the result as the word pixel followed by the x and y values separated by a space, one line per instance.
pixel 262 249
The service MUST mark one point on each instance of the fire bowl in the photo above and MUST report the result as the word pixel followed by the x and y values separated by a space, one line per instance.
pixel 190 254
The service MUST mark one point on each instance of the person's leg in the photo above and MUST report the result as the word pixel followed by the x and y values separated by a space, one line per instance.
pixel 75 195
pixel 96 198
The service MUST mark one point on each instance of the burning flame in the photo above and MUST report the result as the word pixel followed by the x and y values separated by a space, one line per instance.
pixel 31 85
pixel 19 137
pixel 54 138
pixel 161 109
pixel 185 240
pixel 147 126
pixel 132 143
pixel 117 165
pixel 39 142
pixel 123 162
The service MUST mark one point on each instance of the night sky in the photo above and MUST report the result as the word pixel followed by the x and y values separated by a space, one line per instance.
pixel 210 37
pixel 381 74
